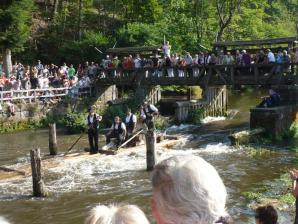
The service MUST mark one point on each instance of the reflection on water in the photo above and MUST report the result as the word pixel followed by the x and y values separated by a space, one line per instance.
pixel 76 186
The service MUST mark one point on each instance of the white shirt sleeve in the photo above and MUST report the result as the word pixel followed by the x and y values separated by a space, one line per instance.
pixel 134 118
pixel 152 107
pixel 123 126
pixel 98 117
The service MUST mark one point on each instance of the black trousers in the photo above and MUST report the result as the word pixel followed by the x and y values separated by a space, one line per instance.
pixel 93 140
pixel 119 137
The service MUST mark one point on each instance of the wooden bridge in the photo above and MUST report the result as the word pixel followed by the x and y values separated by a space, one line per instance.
pixel 209 75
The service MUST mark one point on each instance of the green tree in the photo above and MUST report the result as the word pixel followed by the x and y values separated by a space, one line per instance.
pixel 15 17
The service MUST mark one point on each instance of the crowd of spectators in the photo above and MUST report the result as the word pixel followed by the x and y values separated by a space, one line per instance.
pixel 188 63
pixel 44 76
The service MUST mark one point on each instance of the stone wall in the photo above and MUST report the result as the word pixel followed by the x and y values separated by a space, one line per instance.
pixel 103 94
pixel 277 120
pixel 274 120
pixel 24 111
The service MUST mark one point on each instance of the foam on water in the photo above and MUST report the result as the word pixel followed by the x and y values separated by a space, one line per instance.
pixel 180 128
pixel 98 172
pixel 3 220
pixel 217 148
pixel 208 119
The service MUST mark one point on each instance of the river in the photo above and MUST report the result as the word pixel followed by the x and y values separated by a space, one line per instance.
pixel 79 185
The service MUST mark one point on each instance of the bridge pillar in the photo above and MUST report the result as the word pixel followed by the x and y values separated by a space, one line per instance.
pixel 103 94
pixel 151 94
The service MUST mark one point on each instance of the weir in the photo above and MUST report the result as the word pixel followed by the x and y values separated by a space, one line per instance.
pixel 214 103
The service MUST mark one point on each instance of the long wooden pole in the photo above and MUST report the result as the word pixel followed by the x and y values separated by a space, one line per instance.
pixel 52 139
pixel 39 189
pixel 130 139
pixel 71 147
pixel 150 149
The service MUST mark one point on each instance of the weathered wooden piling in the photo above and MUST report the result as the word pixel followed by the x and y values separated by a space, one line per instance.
pixel 39 189
pixel 52 139
pixel 150 147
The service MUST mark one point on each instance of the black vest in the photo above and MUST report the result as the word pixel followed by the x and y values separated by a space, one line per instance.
pixel 94 123
pixel 119 130
pixel 130 123
pixel 149 113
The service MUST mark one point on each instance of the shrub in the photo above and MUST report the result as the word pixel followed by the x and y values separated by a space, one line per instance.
pixel 294 129
pixel 111 112
pixel 74 122
pixel 196 115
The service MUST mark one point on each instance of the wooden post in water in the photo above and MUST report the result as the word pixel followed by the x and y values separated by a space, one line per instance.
pixel 150 147
pixel 39 189
pixel 52 139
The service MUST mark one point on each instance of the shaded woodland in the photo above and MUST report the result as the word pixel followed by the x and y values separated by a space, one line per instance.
pixel 68 30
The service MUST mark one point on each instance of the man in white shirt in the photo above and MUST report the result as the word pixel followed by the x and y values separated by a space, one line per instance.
pixel 148 111
pixel 92 122
pixel 167 49
pixel 270 56
pixel 118 131
pixel 130 122
pixel 137 62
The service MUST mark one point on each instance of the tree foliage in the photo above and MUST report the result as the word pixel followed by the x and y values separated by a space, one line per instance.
pixel 15 16
pixel 71 32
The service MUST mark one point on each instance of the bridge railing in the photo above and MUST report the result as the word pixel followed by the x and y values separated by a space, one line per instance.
pixel 38 94
pixel 222 74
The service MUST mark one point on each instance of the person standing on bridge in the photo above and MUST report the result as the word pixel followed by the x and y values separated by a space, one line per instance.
pixel 148 111
pixel 166 48
pixel 92 121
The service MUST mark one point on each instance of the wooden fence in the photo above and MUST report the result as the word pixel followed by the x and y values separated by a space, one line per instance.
pixel 154 95
pixel 215 104
pixel 38 94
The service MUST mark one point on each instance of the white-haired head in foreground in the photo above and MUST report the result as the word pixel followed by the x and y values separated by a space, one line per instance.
pixel 126 214
pixel 3 220
pixel 187 190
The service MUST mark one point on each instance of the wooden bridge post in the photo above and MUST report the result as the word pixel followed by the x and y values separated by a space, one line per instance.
pixel 52 139
pixel 150 149
pixel 39 189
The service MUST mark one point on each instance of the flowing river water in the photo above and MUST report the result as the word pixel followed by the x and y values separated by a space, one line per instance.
pixel 77 186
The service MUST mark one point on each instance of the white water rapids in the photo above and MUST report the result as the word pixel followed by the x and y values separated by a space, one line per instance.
pixel 121 177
